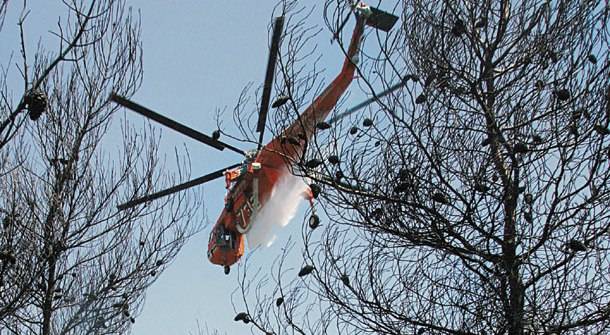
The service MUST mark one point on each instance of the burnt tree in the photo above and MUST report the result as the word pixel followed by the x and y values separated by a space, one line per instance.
pixel 474 198
pixel 70 262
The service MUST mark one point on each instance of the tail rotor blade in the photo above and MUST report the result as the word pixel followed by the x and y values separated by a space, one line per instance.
pixel 278 27
pixel 177 188
pixel 182 129
pixel 367 102
pixel 381 20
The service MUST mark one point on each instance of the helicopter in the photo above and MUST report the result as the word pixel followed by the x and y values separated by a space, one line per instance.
pixel 250 183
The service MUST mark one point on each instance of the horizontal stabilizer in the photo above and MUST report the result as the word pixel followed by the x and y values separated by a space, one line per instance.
pixel 381 20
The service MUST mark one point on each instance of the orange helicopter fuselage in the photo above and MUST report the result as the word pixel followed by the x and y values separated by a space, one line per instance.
pixel 250 185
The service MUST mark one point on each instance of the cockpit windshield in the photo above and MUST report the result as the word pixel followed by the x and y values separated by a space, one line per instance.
pixel 224 238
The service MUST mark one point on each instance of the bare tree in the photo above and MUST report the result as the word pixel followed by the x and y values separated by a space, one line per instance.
pixel 474 198
pixel 71 263
pixel 3 8
pixel 206 330
pixel 35 67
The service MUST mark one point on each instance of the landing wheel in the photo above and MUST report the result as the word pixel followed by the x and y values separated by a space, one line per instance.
pixel 314 221
pixel 227 269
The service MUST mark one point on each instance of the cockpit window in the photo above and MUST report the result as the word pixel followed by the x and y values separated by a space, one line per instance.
pixel 225 238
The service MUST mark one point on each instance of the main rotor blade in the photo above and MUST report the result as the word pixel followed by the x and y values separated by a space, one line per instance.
pixel 278 27
pixel 182 129
pixel 177 188
pixel 367 102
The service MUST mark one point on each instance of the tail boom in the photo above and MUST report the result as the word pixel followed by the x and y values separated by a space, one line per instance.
pixel 277 151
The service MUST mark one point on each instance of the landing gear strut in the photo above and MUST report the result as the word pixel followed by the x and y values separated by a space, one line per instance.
pixel 227 269
pixel 314 221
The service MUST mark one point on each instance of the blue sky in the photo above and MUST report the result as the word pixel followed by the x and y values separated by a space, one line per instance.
pixel 198 56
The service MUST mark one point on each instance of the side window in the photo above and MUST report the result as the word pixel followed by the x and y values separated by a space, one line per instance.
pixel 220 236
pixel 212 235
